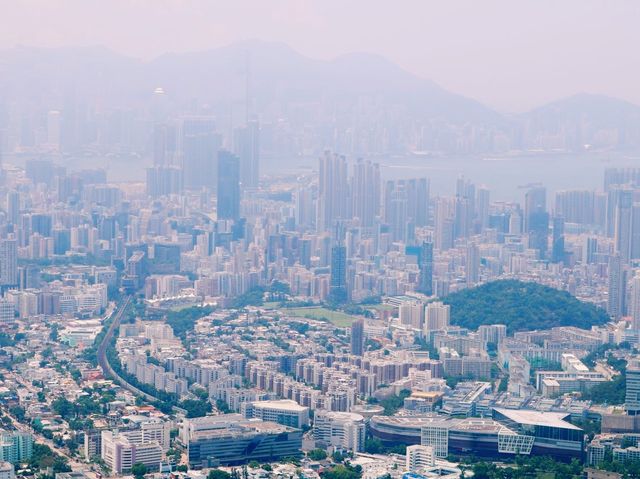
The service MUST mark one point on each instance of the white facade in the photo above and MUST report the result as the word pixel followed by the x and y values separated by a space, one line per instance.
pixel 340 430
pixel 420 457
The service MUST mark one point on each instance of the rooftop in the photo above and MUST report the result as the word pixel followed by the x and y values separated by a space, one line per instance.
pixel 537 418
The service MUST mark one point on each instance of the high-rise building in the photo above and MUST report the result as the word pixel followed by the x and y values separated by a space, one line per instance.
pixel 576 206
pixel 557 249
pixel 436 316
pixel 333 191
pixel 483 202
pixel 617 287
pixel 412 314
pixel 357 337
pixel 418 191
pixel 164 180
pixel 635 231
pixel 539 232
pixel 632 397
pixel 8 262
pixel 228 191
pixel 365 191
pixel 199 146
pixel 634 302
pixel 535 201
pixel 396 206
pixel 425 267
pixel 472 264
pixel 15 446
pixel 338 280
pixel 445 213
pixel 247 148
pixel 13 206
pixel 623 227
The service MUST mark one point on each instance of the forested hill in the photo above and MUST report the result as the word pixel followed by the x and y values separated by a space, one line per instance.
pixel 521 306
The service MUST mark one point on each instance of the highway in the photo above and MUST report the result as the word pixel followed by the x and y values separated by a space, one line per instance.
pixel 103 362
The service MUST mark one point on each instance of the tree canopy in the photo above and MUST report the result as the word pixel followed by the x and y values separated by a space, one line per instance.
pixel 521 306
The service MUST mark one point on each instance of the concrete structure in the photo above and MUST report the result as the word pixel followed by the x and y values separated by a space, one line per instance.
pixel 344 431
pixel 284 411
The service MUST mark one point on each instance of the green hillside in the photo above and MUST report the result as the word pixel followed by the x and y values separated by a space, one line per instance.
pixel 521 306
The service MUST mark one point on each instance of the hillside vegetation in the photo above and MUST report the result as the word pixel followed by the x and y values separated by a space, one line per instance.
pixel 521 306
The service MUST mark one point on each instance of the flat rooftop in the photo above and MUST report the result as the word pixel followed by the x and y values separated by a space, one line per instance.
pixel 537 418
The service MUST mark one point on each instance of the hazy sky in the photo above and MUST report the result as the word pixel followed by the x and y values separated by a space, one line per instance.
pixel 509 54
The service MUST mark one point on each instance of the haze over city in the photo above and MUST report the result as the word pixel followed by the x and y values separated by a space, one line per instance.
pixel 319 240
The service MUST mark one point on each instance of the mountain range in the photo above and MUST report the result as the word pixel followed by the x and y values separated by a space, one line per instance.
pixel 360 89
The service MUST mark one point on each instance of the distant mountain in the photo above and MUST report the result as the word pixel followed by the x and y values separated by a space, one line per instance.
pixel 585 120
pixel 277 74
pixel 356 103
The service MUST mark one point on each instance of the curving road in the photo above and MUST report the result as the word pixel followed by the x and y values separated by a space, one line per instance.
pixel 103 362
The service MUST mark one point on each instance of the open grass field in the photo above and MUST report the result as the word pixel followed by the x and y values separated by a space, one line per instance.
pixel 338 318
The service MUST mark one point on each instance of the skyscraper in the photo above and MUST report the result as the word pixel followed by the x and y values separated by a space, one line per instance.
pixel 445 212
pixel 247 148
pixel 333 191
pixel 357 337
pixel 425 266
pixel 228 191
pixel 472 264
pixel 632 397
pixel 536 219
pixel 539 232
pixel 8 262
pixel 338 283
pixel 617 287
pixel 535 201
pixel 483 195
pixel 557 249
pixel 199 145
pixel 164 180
pixel 365 192
pixel 634 302
pixel 623 229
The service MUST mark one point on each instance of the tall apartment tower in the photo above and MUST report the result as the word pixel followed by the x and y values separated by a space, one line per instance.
pixel 617 287
pixel 634 302
pixel 357 337
pixel 365 192
pixel 632 397
pixel 8 262
pixel 247 148
pixel 623 227
pixel 333 191
pixel 472 264
pixel 228 191
pixel 425 267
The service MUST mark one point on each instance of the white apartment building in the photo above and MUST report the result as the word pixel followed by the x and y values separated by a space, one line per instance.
pixel 420 457
pixel 343 431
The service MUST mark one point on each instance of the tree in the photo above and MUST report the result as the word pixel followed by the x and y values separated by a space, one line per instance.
pixel 196 408
pixel 138 470
pixel 341 472
pixel 218 474
pixel 18 412
pixel 62 407
pixel 317 454
pixel 522 306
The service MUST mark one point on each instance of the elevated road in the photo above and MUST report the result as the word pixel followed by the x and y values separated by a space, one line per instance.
pixel 103 362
